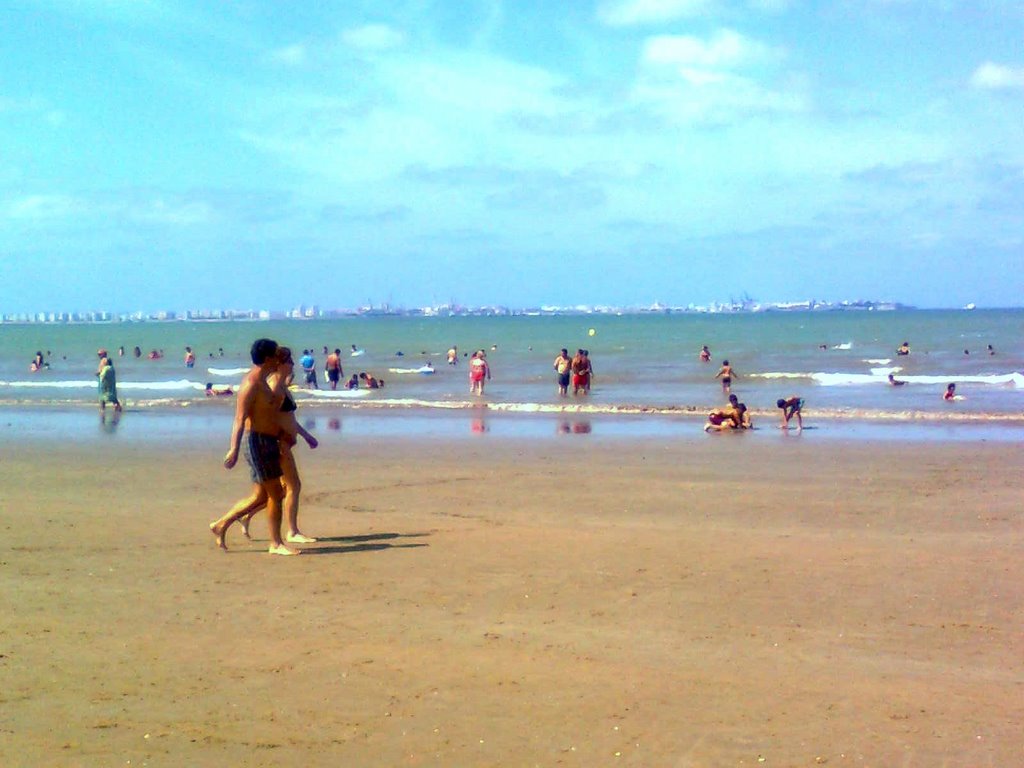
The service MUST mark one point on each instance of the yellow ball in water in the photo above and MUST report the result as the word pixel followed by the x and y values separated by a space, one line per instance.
pixel 591 332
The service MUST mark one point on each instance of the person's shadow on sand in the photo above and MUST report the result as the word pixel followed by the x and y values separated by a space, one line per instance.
pixel 365 543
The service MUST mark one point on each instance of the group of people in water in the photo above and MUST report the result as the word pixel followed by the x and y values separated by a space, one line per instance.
pixel 576 370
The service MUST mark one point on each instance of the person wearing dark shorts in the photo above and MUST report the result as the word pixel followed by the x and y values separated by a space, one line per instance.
pixel 263 452
pixel 791 406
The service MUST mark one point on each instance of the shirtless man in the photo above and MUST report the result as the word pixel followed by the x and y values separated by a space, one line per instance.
pixel 726 374
pixel 256 414
pixel 334 370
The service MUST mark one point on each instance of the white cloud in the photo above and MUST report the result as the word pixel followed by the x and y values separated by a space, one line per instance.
pixel 624 13
pixel 42 207
pixel 726 50
pixel 687 79
pixel 998 77
pixel 373 37
pixel 292 55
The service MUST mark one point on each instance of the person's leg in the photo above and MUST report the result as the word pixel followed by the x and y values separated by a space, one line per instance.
pixel 275 495
pixel 245 507
pixel 799 420
pixel 292 489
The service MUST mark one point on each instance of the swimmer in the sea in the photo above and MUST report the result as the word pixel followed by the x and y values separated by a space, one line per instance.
pixel 705 354
pixel 895 382
pixel 950 393
pixel 904 349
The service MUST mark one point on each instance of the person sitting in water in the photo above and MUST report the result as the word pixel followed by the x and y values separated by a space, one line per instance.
pixel 212 391
pixel 353 383
pixel 369 380
pixel 38 363
pixel 904 349
pixel 791 406
pixel 950 393
pixel 895 382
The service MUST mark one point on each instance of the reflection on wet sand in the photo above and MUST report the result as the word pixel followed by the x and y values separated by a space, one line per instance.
pixel 574 427
pixel 478 426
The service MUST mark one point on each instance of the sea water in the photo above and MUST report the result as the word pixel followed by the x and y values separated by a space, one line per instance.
pixel 838 361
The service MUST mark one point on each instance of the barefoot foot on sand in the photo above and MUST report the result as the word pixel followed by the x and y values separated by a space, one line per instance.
pixel 281 549
pixel 218 534
pixel 244 522
pixel 299 538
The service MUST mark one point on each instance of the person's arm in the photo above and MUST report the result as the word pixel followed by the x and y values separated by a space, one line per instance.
pixel 242 406
pixel 304 433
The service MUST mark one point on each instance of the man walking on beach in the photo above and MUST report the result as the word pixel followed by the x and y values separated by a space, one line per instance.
pixel 256 409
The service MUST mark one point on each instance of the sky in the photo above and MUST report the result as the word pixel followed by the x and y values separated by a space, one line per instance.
pixel 185 154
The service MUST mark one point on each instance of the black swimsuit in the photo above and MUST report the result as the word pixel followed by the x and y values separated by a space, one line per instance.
pixel 288 405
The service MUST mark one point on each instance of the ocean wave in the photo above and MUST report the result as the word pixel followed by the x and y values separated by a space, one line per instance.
pixel 880 376
pixel 314 400
pixel 175 385
pixel 227 371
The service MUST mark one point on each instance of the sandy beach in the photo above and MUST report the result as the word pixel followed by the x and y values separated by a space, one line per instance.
pixel 577 602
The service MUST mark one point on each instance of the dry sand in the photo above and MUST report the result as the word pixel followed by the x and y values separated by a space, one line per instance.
pixel 718 602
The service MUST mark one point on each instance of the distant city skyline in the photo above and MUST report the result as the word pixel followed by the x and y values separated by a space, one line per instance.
pixel 174 154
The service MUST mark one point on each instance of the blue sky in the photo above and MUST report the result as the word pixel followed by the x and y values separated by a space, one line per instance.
pixel 171 154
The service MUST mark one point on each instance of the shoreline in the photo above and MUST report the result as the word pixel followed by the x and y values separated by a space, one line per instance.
pixel 333 422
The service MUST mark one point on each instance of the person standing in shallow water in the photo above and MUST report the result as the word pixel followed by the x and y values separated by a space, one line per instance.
pixel 563 367
pixel 726 374
pixel 256 415
pixel 479 372
pixel 108 385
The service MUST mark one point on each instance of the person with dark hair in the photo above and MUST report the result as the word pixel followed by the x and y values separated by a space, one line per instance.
pixel 563 367
pixel 256 415
pixel 791 406
pixel 290 431
pixel 308 363
pixel 726 373
pixel 334 369
pixel 581 372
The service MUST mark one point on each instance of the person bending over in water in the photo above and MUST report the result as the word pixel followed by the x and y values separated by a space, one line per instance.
pixel 726 374
pixel 895 382
pixel 791 406
pixel 256 417
pixel 291 430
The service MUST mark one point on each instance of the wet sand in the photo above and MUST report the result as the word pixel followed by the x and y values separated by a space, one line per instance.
pixel 493 602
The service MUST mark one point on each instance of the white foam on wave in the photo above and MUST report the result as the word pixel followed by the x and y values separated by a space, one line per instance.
pixel 335 394
pixel 844 345
pixel 425 369
pixel 878 360
pixel 176 385
pixel 227 371
pixel 881 376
